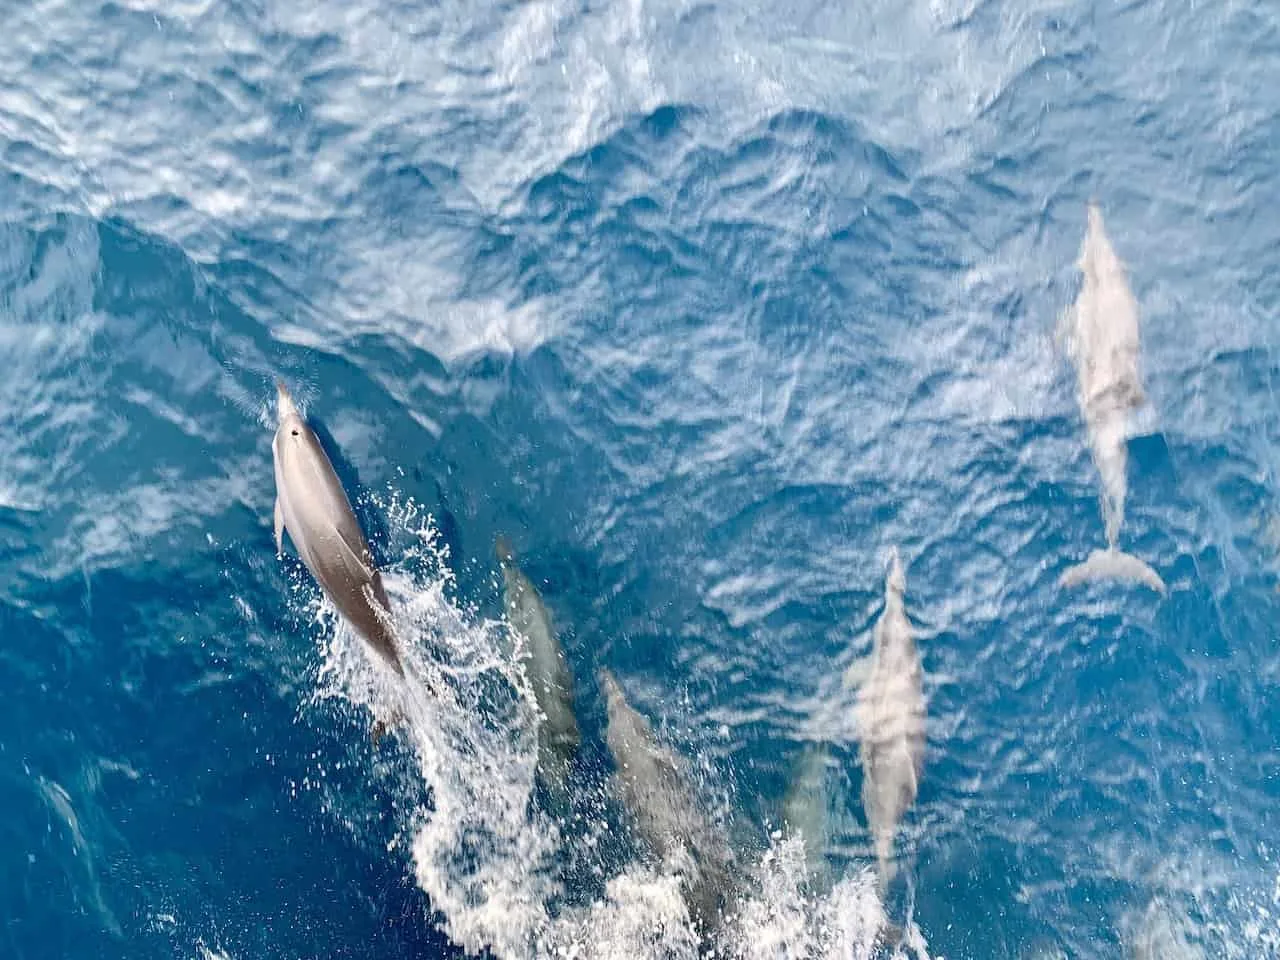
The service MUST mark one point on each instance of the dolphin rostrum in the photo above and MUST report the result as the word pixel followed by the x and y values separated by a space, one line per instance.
pixel 890 714
pixel 1101 332
pixel 547 671
pixel 667 816
pixel 313 507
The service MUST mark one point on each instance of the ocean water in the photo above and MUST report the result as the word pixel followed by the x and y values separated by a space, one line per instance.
pixel 705 307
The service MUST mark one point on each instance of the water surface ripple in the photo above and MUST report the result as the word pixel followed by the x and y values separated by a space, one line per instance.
pixel 706 307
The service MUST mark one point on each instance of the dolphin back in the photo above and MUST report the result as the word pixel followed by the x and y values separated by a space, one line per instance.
pixel 666 813
pixel 891 720
pixel 546 669
pixel 806 810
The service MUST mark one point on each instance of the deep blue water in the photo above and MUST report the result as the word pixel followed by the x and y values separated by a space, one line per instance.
pixel 705 306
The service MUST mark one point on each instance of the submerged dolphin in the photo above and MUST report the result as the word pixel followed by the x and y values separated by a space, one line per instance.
pixel 1101 333
pixel 547 671
pixel 313 507
pixel 891 720
pixel 806 811
pixel 667 816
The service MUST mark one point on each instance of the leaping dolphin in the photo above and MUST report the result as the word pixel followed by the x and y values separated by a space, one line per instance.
pixel 1101 332
pixel 313 507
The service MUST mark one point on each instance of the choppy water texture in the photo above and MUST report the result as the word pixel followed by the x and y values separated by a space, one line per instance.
pixel 705 307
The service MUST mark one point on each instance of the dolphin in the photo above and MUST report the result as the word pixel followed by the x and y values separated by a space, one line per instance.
pixel 890 712
pixel 547 671
pixel 667 816
pixel 1101 335
pixel 313 507
pixel 806 811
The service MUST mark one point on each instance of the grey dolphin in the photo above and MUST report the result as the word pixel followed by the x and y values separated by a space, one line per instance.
pixel 806 811
pixel 668 817
pixel 313 507
pixel 891 720
pixel 547 671
pixel 1101 334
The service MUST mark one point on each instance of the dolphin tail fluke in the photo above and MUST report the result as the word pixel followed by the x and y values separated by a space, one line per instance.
pixel 1113 564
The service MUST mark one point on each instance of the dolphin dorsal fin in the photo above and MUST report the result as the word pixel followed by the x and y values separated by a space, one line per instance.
pixel 279 525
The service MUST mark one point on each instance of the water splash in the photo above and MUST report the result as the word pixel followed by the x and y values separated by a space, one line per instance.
pixel 1201 904
pixel 642 915
pixel 205 952
pixel 786 921
pixel 482 853
pixel 487 856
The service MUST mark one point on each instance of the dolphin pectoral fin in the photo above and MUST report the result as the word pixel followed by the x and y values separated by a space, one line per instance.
pixel 279 522
pixel 858 673
pixel 351 555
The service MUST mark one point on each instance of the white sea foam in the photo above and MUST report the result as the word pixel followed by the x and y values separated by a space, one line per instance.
pixel 488 857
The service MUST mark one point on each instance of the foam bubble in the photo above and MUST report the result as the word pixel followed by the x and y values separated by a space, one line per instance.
pixel 789 920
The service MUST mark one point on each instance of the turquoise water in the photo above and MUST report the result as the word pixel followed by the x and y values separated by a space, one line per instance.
pixel 705 307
